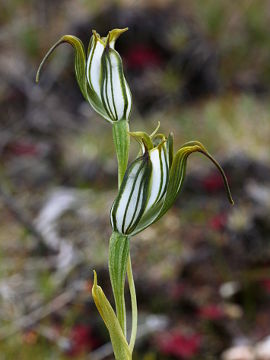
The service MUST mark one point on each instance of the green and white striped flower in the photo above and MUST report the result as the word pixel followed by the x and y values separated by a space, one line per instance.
pixel 100 77
pixel 152 182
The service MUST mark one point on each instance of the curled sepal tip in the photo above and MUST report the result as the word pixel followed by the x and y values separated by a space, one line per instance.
pixel 80 61
pixel 197 146
pixel 178 172
pixel 119 342
pixel 114 35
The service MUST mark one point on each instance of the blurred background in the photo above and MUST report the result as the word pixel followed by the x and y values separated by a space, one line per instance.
pixel 201 68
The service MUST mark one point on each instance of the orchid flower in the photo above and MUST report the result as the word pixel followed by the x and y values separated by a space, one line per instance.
pixel 153 181
pixel 100 76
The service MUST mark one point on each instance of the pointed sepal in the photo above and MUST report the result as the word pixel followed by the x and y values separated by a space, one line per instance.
pixel 79 62
pixel 178 172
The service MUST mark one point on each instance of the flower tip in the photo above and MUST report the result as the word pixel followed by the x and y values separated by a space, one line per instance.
pixel 118 31
pixel 95 278
pixel 97 36
pixel 155 131
pixel 114 34
pixel 37 77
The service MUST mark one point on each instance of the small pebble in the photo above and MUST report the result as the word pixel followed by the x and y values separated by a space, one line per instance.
pixel 262 349
pixel 241 352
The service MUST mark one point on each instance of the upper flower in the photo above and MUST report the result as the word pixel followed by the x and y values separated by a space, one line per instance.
pixel 152 182
pixel 100 77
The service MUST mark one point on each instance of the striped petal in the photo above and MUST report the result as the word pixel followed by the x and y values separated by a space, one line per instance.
pixel 135 207
pixel 116 95
pixel 131 200
pixel 93 74
pixel 160 157
pixel 159 175
pixel 109 92
pixel 93 68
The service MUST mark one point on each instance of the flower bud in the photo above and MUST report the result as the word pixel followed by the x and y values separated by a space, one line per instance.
pixel 106 77
pixel 131 200
pixel 151 186
pixel 143 187
pixel 100 77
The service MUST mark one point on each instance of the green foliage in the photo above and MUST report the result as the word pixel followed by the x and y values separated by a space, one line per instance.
pixel 119 343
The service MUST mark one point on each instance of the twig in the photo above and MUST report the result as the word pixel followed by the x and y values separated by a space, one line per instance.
pixel 42 312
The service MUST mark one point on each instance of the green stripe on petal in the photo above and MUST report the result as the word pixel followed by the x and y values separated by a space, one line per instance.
pixel 93 69
pixel 170 148
pixel 93 75
pixel 159 176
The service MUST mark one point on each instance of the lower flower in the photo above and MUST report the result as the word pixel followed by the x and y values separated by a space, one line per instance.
pixel 153 181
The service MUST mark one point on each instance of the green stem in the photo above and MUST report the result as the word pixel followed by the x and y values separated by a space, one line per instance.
pixel 118 258
pixel 133 305
pixel 121 140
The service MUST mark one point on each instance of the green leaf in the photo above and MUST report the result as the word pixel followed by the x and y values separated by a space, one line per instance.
pixel 119 342
pixel 118 256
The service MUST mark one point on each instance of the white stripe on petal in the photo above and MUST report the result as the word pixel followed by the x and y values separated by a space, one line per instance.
pixel 115 91
pixel 118 86
pixel 122 205
pixel 129 100
pixel 156 175
pixel 159 176
pixel 134 205
pixel 139 206
pixel 94 66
